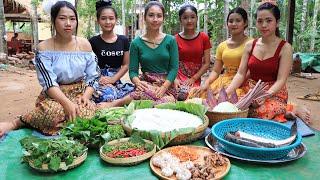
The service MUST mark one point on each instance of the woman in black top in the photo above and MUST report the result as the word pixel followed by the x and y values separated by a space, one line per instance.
pixel 112 51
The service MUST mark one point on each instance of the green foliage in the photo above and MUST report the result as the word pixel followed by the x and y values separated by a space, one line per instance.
pixel 171 22
pixel 134 142
pixel 92 132
pixel 110 114
pixel 215 11
pixel 50 151
pixel 116 131
pixel 87 12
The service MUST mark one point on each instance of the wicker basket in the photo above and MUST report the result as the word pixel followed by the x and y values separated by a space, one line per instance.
pixel 215 117
pixel 182 138
pixel 76 162
pixel 126 161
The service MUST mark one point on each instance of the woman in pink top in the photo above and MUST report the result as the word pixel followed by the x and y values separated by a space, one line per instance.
pixel 194 49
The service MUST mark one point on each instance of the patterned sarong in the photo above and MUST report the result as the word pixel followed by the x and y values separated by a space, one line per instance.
pixel 273 108
pixel 48 112
pixel 110 92
pixel 154 80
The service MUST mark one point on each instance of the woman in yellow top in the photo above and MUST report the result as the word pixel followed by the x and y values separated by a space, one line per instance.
pixel 228 55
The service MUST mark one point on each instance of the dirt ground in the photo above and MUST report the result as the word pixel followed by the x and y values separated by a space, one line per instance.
pixel 19 89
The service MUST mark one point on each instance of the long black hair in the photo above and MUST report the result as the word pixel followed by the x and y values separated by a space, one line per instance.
pixel 56 8
pixel 274 10
pixel 104 4
pixel 242 12
pixel 185 7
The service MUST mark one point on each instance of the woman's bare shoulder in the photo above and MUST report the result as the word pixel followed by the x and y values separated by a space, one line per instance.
pixel 45 45
pixel 84 44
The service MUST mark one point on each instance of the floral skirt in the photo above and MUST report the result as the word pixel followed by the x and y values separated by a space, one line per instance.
pixel 112 92
pixel 48 112
pixel 273 108
pixel 154 80
pixel 223 81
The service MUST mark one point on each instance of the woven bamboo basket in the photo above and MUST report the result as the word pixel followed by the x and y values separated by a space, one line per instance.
pixel 127 161
pixel 182 138
pixel 215 117
pixel 63 167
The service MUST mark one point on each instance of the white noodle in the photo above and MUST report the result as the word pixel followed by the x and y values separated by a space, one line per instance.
pixel 164 120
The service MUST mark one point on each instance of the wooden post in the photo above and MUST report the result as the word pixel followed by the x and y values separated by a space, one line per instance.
pixel 34 22
pixel 290 22
pixel 3 42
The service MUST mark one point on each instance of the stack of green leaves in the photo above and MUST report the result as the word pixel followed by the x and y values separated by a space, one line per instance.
pixel 134 142
pixel 51 151
pixel 111 114
pixel 93 132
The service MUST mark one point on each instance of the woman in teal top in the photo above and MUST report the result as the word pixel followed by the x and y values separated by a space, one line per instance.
pixel 157 55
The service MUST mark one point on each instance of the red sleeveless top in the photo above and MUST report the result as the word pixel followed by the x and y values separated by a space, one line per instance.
pixel 266 70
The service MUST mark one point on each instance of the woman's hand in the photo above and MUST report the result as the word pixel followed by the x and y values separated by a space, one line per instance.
pixel 196 91
pixel 205 87
pixel 83 101
pixel 142 85
pixel 105 80
pixel 71 110
pixel 257 102
pixel 176 83
pixel 160 91
pixel 189 82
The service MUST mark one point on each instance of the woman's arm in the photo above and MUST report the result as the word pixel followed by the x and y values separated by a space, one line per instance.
pixel 216 71
pixel 124 68
pixel 173 69
pixel 134 61
pixel 173 61
pixel 242 71
pixel 217 67
pixel 70 108
pixel 204 67
pixel 92 75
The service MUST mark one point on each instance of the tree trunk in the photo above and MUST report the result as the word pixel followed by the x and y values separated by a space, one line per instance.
pixel 205 18
pixel 314 24
pixel 3 41
pixel 226 12
pixel 252 10
pixel 290 20
pixel 304 15
pixel 133 19
pixel 34 22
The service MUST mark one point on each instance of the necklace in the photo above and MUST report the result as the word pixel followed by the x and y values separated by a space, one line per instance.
pixel 153 42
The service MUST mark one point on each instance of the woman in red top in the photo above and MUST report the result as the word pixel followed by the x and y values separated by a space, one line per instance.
pixel 194 49
pixel 268 58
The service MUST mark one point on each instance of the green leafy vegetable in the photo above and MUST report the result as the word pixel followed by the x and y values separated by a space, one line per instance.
pixel 93 132
pixel 134 142
pixel 106 115
pixel 116 131
pixel 50 151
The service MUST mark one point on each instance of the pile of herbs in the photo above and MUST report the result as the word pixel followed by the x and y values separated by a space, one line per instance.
pixel 161 139
pixel 111 114
pixel 51 151
pixel 135 146
pixel 93 132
